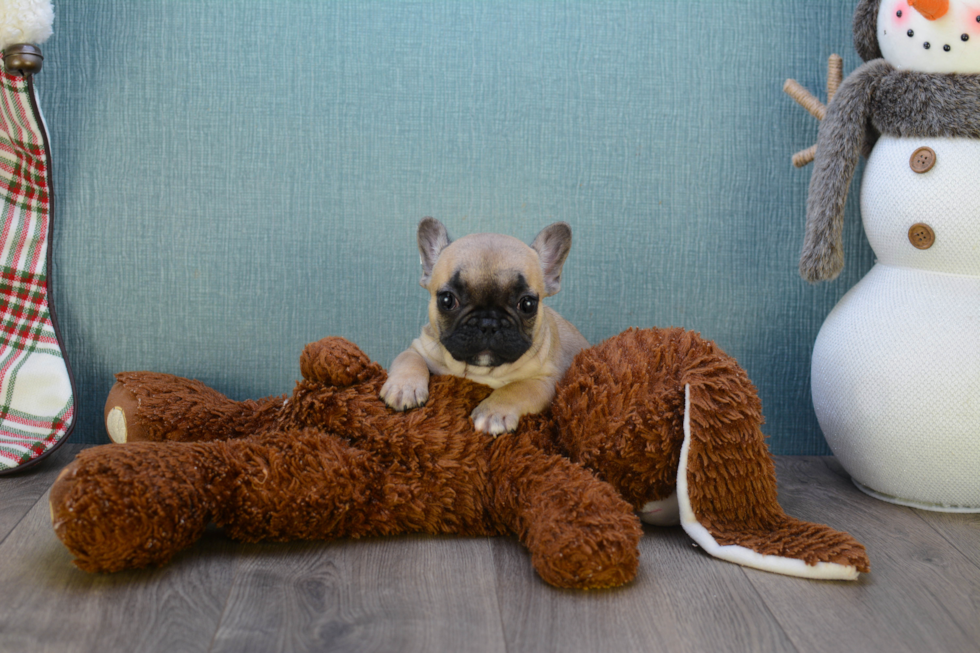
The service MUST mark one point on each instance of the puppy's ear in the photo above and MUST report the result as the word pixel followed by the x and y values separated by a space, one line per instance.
pixel 552 246
pixel 433 238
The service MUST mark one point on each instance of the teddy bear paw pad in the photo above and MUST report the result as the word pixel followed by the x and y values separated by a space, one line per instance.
pixel 115 424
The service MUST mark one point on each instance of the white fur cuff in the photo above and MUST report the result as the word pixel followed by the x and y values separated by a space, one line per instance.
pixel 25 21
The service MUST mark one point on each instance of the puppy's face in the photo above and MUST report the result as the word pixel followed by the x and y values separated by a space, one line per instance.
pixel 486 290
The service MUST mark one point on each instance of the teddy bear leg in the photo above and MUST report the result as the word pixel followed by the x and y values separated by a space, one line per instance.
pixel 726 486
pixel 134 506
pixel 153 407
pixel 580 532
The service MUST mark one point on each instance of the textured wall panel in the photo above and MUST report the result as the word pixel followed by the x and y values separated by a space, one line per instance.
pixel 237 178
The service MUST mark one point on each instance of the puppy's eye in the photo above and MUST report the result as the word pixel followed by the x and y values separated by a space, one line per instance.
pixel 447 301
pixel 527 305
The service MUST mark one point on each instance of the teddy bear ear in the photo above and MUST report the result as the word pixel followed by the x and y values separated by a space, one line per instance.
pixel 866 29
pixel 337 362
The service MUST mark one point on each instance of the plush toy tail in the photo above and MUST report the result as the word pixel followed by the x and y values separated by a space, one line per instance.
pixel 726 488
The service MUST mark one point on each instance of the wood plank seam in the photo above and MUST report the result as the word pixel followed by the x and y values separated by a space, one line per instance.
pixel 496 593
pixel 19 521
pixel 224 607
pixel 956 545
pixel 765 604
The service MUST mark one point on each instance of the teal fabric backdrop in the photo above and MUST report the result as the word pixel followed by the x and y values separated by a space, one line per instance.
pixel 236 178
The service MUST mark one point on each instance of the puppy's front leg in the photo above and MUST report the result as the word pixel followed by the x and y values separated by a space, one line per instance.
pixel 408 382
pixel 502 410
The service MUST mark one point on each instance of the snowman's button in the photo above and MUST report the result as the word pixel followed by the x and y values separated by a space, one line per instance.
pixel 921 236
pixel 922 160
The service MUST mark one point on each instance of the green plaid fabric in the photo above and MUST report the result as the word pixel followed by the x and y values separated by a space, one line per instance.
pixel 36 398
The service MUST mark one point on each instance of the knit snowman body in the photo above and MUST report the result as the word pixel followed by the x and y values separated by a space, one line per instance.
pixel 896 366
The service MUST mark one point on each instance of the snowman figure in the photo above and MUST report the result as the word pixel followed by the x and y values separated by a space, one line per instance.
pixel 896 365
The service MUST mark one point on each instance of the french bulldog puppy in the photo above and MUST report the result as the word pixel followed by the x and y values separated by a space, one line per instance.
pixel 487 323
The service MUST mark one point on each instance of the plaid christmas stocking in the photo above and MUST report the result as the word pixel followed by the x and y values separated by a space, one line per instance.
pixel 36 389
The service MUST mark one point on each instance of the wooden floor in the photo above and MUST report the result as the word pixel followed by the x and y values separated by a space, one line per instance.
pixel 432 594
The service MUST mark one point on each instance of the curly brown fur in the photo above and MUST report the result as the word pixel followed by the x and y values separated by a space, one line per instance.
pixel 630 429
pixel 332 461
pixel 635 445
pixel 110 497
pixel 293 477
pixel 166 407
pixel 551 503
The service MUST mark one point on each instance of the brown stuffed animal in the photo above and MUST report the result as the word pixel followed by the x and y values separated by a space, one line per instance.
pixel 642 415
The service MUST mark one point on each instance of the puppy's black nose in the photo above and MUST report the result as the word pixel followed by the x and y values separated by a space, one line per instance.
pixel 487 325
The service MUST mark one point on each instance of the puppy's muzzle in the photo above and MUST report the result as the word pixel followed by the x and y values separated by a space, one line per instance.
pixel 486 339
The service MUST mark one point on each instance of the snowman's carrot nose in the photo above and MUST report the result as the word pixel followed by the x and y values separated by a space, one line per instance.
pixel 931 9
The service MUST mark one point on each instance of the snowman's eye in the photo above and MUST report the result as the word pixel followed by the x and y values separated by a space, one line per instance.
pixel 899 13
pixel 910 33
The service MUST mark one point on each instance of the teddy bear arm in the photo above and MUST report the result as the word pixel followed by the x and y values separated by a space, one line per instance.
pixel 840 141
pixel 579 531
pixel 153 407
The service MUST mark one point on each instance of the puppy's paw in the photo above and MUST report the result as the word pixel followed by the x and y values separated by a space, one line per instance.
pixel 404 394
pixel 494 419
